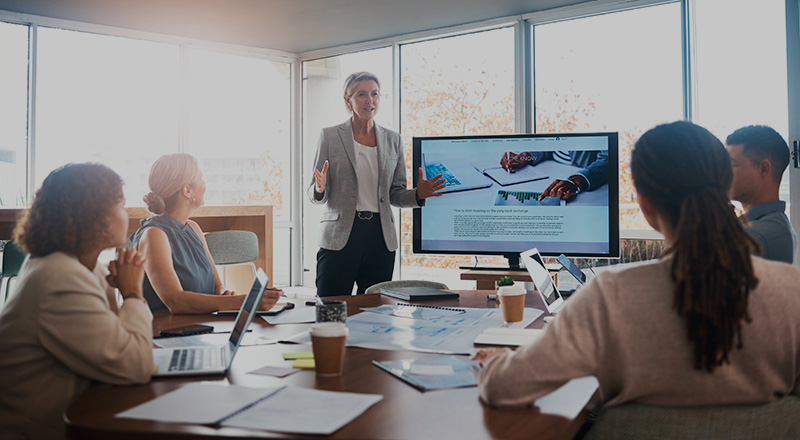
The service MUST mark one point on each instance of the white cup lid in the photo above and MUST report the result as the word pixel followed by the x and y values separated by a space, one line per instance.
pixel 514 290
pixel 329 329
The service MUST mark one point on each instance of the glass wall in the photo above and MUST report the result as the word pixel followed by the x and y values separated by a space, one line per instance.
pixel 453 86
pixel 238 113
pixel 13 114
pixel 105 99
pixel 626 78
pixel 741 68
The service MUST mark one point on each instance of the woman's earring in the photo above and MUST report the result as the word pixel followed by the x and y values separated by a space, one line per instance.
pixel 193 200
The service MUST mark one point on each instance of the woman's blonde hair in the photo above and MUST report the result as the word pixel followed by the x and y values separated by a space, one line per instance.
pixel 352 80
pixel 168 176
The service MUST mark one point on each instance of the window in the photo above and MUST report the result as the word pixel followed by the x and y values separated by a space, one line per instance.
pixel 323 106
pixel 453 86
pixel 238 126
pixel 13 114
pixel 105 99
pixel 614 72
pixel 741 67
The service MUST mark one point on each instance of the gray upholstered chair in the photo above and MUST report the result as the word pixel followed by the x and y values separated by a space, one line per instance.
pixel 775 420
pixel 376 288
pixel 230 248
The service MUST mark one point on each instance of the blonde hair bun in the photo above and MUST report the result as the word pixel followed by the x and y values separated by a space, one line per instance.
pixel 155 203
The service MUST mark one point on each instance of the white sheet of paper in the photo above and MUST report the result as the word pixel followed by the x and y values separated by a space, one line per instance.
pixel 431 370
pixel 304 411
pixel 250 338
pixel 569 400
pixel 298 315
pixel 200 403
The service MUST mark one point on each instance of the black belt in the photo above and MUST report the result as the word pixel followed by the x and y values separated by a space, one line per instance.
pixel 367 215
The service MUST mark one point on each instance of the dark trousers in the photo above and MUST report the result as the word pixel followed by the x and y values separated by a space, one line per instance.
pixel 364 260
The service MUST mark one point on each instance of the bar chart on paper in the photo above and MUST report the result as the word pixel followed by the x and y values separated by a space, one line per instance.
pixel 524 198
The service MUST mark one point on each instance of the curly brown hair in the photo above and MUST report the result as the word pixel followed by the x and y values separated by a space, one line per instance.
pixel 70 212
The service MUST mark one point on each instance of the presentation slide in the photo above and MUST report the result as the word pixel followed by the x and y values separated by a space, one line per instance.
pixel 488 207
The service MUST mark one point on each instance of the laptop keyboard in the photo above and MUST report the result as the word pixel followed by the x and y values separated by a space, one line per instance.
pixel 203 358
pixel 435 169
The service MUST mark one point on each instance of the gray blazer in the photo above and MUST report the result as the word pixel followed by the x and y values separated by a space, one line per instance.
pixel 341 190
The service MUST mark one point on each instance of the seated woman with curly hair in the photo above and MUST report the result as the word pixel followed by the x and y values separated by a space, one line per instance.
pixel 64 326
pixel 180 272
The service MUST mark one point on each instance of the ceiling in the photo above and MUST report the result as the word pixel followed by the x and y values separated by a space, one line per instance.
pixel 294 26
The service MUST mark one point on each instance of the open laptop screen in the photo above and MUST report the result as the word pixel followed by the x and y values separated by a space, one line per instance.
pixel 250 306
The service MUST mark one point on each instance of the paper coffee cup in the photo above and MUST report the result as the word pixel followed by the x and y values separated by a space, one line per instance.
pixel 512 302
pixel 328 344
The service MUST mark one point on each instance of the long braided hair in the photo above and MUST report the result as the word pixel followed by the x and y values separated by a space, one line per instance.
pixel 685 172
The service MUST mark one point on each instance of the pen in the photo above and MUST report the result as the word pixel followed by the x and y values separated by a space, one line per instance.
pixel 508 162
pixel 311 303
pixel 491 297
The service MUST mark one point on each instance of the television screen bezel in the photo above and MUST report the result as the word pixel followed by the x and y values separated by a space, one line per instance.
pixel 613 190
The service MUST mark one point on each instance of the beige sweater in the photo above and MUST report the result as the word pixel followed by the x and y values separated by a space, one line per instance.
pixel 58 331
pixel 622 328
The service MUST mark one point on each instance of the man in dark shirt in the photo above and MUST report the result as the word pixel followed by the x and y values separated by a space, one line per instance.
pixel 759 156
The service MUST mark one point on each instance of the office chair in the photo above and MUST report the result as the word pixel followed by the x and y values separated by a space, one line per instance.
pixel 230 248
pixel 13 256
pixel 376 288
pixel 775 420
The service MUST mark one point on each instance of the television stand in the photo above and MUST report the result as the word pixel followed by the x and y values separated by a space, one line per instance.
pixel 519 269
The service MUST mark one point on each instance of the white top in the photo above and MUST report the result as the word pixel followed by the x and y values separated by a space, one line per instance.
pixel 367 172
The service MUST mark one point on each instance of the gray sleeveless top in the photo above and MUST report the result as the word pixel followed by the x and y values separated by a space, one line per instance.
pixel 189 258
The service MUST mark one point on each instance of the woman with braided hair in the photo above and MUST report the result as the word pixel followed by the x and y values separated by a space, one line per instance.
pixel 706 324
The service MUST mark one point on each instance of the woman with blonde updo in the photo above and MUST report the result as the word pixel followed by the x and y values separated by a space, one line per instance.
pixel 180 273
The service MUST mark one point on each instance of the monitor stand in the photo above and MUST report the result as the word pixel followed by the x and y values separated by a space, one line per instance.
pixel 513 265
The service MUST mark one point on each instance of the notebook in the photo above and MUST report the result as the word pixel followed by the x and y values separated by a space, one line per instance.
pixel 508 337
pixel 434 373
pixel 417 293
pixel 415 311
pixel 212 359
pixel 521 175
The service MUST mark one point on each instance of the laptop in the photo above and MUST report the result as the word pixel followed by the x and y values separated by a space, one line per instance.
pixel 547 289
pixel 212 359
pixel 458 175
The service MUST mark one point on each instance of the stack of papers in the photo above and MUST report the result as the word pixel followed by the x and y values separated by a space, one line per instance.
pixel 508 337
pixel 284 409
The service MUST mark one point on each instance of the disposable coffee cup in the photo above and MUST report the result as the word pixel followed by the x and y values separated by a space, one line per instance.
pixel 512 302
pixel 331 311
pixel 328 343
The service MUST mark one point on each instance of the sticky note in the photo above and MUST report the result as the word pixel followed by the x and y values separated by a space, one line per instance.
pixel 298 355
pixel 304 364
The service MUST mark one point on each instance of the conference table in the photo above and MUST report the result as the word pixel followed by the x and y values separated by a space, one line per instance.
pixel 404 412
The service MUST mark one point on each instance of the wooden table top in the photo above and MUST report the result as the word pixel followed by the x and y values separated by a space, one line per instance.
pixel 404 412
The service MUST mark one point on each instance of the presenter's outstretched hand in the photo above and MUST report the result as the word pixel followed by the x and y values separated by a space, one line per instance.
pixel 321 178
pixel 512 162
pixel 428 188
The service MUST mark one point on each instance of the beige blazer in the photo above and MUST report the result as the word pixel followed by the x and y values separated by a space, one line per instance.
pixel 341 190
pixel 60 330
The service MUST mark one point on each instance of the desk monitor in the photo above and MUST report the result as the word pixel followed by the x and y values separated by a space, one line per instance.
pixel 502 215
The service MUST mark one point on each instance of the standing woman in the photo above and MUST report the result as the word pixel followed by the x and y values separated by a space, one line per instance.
pixel 359 173
pixel 707 324
pixel 64 326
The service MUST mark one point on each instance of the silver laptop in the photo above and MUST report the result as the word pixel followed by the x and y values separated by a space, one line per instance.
pixel 551 297
pixel 212 359
pixel 458 175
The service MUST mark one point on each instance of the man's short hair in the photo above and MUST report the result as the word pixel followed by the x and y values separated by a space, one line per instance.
pixel 761 142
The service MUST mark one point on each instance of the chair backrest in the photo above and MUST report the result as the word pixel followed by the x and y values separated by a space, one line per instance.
pixel 13 256
pixel 775 420
pixel 376 288
pixel 232 247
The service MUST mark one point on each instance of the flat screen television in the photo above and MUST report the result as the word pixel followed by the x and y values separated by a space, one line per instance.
pixel 487 210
